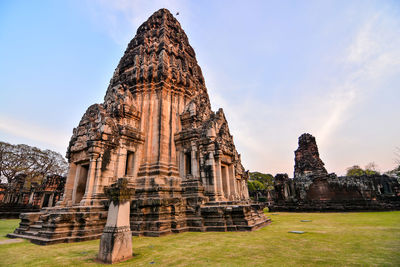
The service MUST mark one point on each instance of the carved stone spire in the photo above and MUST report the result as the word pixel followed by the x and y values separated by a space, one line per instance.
pixel 160 53
pixel 307 161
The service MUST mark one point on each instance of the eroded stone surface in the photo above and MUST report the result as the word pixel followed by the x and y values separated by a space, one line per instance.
pixel 307 160
pixel 22 195
pixel 155 128
pixel 116 240
pixel 313 189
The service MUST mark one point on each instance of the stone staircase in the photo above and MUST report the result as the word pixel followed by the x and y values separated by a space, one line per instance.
pixel 34 229
pixel 233 216
pixel 61 225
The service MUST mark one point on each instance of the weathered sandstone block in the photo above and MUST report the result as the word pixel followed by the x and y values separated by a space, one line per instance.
pixel 116 240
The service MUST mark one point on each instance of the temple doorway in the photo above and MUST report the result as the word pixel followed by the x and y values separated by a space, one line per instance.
pixel 81 185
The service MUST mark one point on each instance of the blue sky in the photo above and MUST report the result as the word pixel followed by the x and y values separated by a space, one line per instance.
pixel 277 68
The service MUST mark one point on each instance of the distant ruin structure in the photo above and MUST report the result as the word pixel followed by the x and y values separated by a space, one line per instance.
pixel 156 129
pixel 307 161
pixel 22 195
pixel 314 189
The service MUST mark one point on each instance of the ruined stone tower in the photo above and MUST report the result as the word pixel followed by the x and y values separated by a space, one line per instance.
pixel 314 189
pixel 155 128
pixel 307 160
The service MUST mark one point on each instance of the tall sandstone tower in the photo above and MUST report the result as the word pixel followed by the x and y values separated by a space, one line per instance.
pixel 155 128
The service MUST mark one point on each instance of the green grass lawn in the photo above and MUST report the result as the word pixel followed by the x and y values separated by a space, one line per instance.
pixel 331 239
pixel 7 226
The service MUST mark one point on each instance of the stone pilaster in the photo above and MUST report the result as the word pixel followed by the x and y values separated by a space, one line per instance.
pixel 66 198
pixel 212 185
pixel 218 176
pixel 87 197
pixel 98 183
pixel 232 180
pixel 116 240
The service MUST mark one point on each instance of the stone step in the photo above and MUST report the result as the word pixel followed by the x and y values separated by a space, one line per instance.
pixel 35 227
pixel 46 241
pixel 31 233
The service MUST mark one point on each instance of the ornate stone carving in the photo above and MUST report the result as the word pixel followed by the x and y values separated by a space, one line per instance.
pixel 119 192
pixel 156 129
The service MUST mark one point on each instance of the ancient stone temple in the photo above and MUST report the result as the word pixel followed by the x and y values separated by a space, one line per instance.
pixel 313 189
pixel 155 128
pixel 23 195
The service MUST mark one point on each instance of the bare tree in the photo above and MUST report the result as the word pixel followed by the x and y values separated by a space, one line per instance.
pixel 4 147
pixel 371 168
pixel 397 154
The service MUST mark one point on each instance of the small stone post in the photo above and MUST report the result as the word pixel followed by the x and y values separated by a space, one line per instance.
pixel 116 240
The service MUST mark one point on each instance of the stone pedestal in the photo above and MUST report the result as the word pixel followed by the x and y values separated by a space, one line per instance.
pixel 116 240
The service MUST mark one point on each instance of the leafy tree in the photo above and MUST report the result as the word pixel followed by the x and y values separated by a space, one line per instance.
pixel 251 186
pixel 266 179
pixel 32 161
pixel 356 170
pixel 258 184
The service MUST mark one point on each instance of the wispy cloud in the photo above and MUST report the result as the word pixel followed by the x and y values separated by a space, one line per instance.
pixel 319 88
pixel 266 130
pixel 372 56
pixel 21 130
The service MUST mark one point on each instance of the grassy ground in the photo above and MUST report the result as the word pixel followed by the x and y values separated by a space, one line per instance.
pixel 7 226
pixel 331 239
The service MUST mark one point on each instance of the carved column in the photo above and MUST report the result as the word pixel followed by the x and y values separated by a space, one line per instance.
pixel 116 240
pixel 87 197
pixel 31 198
pixel 212 187
pixel 245 189
pixel 195 165
pixel 66 197
pixel 182 164
pixel 75 185
pixel 219 187
pixel 202 172
pixel 120 172
pixel 98 186
pixel 51 198
pixel 232 181
pixel 226 181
